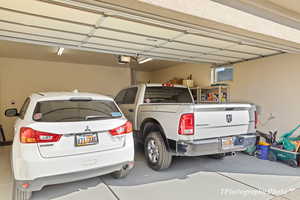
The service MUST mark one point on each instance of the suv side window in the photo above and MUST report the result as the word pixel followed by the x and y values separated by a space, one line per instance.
pixel 130 95
pixel 120 97
pixel 24 108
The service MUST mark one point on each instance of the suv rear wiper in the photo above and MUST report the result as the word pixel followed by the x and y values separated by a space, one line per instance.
pixel 98 117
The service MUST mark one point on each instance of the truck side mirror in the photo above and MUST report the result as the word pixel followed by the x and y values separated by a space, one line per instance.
pixel 12 112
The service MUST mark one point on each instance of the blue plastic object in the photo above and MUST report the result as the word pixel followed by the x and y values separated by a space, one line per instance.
pixel 262 151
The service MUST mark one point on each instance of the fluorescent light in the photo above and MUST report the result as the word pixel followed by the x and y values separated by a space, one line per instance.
pixel 141 61
pixel 60 51
pixel 124 59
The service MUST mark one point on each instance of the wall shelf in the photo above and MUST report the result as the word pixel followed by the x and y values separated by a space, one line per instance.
pixel 211 94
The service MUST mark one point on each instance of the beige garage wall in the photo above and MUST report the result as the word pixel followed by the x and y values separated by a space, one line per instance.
pixel 143 77
pixel 272 83
pixel 19 78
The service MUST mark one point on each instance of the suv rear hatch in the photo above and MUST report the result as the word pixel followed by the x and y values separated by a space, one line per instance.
pixel 217 120
pixel 83 127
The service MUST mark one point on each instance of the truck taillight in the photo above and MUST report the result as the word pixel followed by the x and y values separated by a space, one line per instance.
pixel 186 124
pixel 29 135
pixel 256 119
pixel 124 129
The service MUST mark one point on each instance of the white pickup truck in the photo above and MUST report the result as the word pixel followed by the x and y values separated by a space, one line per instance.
pixel 168 122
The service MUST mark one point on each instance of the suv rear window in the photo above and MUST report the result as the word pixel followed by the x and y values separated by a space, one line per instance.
pixel 167 95
pixel 75 110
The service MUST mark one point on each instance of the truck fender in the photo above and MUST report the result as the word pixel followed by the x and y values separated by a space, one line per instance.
pixel 151 125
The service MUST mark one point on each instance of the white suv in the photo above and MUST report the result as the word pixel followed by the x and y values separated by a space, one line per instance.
pixel 64 137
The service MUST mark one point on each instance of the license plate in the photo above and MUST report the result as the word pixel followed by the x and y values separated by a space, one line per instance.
pixel 227 143
pixel 86 139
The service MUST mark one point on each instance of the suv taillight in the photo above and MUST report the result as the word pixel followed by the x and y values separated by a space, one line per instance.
pixel 124 129
pixel 29 135
pixel 256 119
pixel 186 124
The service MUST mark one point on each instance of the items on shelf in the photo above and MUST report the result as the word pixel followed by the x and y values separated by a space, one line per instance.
pixel 212 94
pixel 175 81
pixel 180 81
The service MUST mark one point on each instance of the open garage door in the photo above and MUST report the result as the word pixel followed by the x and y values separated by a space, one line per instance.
pixel 101 27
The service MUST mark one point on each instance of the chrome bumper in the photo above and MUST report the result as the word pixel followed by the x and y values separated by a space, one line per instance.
pixel 213 146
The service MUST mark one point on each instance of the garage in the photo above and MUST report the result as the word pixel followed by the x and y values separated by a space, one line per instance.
pixel 233 57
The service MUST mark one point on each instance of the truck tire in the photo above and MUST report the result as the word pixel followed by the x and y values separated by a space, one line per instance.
pixel 157 155
pixel 20 194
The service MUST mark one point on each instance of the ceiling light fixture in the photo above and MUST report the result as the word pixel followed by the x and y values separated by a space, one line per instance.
pixel 60 51
pixel 124 59
pixel 143 60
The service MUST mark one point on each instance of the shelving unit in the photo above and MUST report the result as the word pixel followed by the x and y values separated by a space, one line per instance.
pixel 212 94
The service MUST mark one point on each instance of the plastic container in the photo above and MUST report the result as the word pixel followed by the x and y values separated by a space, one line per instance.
pixel 188 83
pixel 263 150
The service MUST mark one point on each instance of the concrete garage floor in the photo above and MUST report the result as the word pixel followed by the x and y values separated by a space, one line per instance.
pixel 240 177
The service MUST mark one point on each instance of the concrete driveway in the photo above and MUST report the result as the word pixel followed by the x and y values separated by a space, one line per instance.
pixel 239 177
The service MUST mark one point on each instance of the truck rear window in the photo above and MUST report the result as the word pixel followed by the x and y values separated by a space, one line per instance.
pixel 167 95
pixel 75 110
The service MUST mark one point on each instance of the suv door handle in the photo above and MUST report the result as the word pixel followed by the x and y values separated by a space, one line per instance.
pixel 130 110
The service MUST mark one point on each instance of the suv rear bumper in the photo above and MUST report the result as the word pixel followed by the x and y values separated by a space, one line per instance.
pixel 38 184
pixel 38 171
pixel 213 146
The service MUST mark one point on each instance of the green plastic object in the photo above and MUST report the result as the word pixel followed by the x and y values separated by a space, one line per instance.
pixel 292 158
pixel 286 140
pixel 251 150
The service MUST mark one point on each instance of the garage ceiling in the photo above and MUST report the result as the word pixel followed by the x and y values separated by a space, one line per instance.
pixel 293 5
pixel 96 26
pixel 20 50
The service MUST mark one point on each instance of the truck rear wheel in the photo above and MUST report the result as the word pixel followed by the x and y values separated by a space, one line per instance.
pixel 156 152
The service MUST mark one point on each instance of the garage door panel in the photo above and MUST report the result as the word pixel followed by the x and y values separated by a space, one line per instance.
pixel 218 58
pixel 61 12
pixel 184 57
pixel 127 37
pixel 180 53
pixel 218 35
pixel 139 28
pixel 205 59
pixel 163 55
pixel 250 49
pixel 31 30
pixel 109 48
pixel 47 23
pixel 199 49
pixel 194 39
pixel 38 38
pixel 117 43
pixel 233 54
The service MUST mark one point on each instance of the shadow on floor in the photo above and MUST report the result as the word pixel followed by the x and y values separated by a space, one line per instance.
pixel 56 191
pixel 182 167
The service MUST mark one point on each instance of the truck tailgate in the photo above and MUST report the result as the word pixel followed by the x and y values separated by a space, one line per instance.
pixel 218 120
